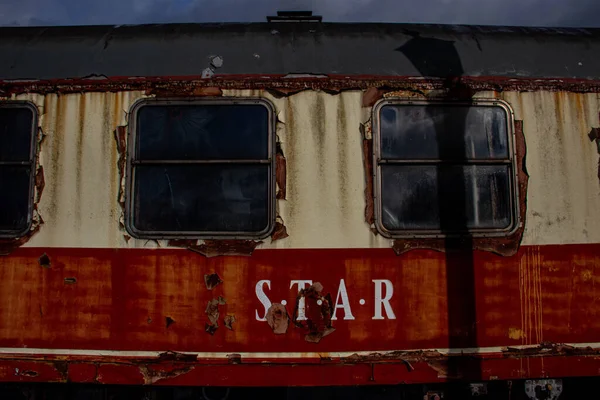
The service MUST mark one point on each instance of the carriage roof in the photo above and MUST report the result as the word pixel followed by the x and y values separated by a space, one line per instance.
pixel 260 50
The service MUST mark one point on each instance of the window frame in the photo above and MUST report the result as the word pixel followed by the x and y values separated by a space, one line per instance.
pixel 14 234
pixel 133 150
pixel 438 233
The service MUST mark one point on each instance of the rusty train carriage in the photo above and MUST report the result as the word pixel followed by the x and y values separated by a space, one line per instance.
pixel 324 299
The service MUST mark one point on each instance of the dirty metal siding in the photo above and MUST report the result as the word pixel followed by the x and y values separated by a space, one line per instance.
pixel 99 312
pixel 321 140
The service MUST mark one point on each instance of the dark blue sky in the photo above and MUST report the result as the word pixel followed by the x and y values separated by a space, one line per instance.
pixel 496 12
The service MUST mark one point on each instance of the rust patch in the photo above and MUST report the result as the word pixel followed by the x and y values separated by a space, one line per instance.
pixel 504 246
pixel 371 96
pixel 229 320
pixel 40 183
pixel 44 261
pixel 151 376
pixel 280 231
pixel 280 173
pixel 202 91
pixel 317 311
pixel 369 194
pixel 169 321
pixel 278 318
pixel 212 280
pixel 279 86
pixel 121 140
pixel 70 280
pixel 214 248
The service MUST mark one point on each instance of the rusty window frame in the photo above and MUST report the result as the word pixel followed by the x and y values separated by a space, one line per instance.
pixel 31 163
pixel 438 233
pixel 132 145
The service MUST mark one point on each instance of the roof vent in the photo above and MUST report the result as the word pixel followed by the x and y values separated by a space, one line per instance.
pixel 294 16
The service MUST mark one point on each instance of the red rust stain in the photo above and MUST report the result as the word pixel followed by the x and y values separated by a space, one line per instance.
pixel 318 310
pixel 278 318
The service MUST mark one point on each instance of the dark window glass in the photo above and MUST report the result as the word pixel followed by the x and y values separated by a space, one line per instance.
pixel 411 132
pixel 410 196
pixel 203 132
pixel 14 198
pixel 445 168
pixel 16 164
pixel 201 170
pixel 175 198
pixel 15 133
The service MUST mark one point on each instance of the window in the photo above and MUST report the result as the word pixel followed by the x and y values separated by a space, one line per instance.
pixel 444 168
pixel 17 167
pixel 201 169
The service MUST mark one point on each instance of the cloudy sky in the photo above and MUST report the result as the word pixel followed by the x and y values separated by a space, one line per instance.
pixel 582 13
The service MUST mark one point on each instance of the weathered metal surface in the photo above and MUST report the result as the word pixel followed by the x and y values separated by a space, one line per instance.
pixel 320 135
pixel 375 301
pixel 302 49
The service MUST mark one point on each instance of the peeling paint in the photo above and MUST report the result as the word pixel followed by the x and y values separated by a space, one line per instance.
pixel 152 376
pixel 280 231
pixel 278 318
pixel 317 311
pixel 212 280
pixel 229 320
pixel 212 312
pixel 280 173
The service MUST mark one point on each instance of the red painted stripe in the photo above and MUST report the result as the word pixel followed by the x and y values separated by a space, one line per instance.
pixel 122 297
